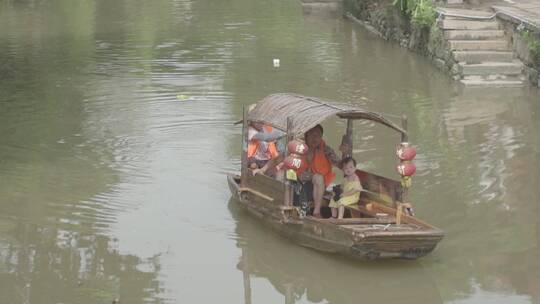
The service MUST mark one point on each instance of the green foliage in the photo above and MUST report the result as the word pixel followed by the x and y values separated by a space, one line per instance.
pixel 533 42
pixel 421 12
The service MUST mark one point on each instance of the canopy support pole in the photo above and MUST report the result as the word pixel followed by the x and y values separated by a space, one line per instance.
pixel 244 166
pixel 347 139
pixel 404 190
pixel 288 199
pixel 404 136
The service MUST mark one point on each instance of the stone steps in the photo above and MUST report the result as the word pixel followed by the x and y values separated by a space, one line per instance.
pixel 480 49
pixel 473 34
pixel 461 24
pixel 471 13
pixel 501 82
pixel 479 45
pixel 491 68
pixel 483 56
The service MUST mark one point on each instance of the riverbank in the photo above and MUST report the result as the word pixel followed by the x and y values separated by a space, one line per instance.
pixel 429 36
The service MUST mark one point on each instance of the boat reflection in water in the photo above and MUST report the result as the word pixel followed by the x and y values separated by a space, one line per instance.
pixel 299 273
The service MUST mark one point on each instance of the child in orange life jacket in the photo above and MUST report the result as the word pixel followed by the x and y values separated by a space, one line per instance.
pixel 350 186
pixel 262 146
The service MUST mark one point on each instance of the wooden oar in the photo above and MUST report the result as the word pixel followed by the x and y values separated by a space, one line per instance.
pixel 257 193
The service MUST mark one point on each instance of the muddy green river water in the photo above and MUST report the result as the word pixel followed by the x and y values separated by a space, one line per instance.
pixel 116 132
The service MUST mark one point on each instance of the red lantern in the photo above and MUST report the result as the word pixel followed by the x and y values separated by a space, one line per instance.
pixel 406 169
pixel 292 162
pixel 406 152
pixel 297 147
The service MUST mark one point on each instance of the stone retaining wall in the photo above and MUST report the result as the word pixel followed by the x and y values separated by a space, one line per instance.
pixel 521 49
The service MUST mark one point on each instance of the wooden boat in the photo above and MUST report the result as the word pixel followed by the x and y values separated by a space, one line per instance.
pixel 377 227
pixel 264 258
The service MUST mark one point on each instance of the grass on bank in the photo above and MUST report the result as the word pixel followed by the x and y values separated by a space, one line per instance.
pixel 533 42
pixel 421 12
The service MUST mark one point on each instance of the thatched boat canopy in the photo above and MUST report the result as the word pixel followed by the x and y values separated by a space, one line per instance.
pixel 306 112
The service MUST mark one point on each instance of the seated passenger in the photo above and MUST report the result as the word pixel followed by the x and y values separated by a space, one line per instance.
pixel 262 146
pixel 351 188
pixel 317 165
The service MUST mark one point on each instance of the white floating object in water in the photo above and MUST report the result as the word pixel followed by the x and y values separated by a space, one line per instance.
pixel 182 97
pixel 276 63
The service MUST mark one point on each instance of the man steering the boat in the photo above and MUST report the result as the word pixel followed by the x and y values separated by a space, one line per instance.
pixel 317 165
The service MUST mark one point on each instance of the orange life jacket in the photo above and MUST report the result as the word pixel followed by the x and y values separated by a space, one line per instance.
pixel 254 145
pixel 319 165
